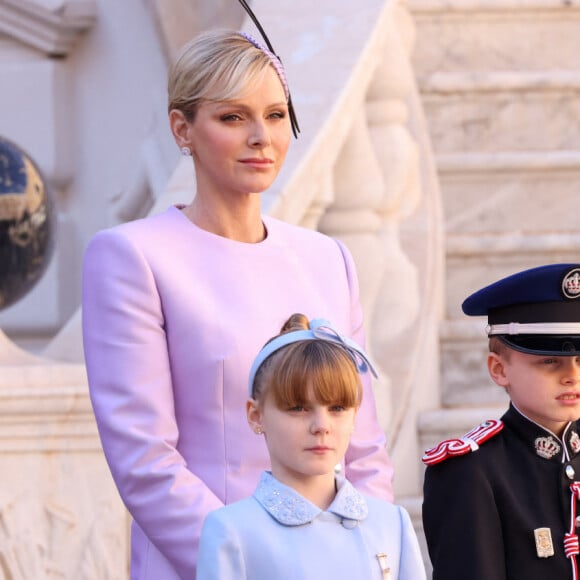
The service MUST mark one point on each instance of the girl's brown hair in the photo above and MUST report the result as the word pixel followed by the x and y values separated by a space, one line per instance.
pixel 324 365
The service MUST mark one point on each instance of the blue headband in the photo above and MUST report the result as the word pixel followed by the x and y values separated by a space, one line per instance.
pixel 320 329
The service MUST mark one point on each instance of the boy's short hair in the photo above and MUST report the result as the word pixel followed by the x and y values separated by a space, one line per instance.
pixel 536 311
pixel 499 347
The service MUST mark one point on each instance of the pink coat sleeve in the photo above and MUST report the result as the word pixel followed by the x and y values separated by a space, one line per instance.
pixel 368 465
pixel 131 392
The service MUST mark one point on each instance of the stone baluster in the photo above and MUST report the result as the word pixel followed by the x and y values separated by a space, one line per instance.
pixel 376 187
pixel 397 303
pixel 358 185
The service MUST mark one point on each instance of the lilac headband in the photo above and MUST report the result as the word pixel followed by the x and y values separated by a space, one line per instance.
pixel 276 62
pixel 268 50
pixel 320 329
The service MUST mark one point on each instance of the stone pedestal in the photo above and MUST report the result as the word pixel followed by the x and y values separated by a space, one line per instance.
pixel 60 516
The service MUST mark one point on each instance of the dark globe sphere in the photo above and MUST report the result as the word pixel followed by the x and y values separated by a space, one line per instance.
pixel 26 223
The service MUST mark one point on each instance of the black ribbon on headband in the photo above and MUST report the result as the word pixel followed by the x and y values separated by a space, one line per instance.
pixel 254 18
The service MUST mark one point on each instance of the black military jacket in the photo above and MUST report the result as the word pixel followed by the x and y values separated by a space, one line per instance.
pixel 481 509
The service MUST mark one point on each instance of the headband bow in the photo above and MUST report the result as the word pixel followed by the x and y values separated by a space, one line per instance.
pixel 320 329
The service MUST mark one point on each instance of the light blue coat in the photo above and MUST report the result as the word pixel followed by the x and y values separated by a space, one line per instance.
pixel 278 535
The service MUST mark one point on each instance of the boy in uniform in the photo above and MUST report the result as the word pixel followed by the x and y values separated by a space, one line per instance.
pixel 502 503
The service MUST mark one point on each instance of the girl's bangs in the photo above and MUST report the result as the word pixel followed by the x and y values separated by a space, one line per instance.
pixel 323 366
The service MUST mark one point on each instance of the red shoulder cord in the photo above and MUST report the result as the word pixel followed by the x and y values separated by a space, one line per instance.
pixel 469 442
pixel 571 543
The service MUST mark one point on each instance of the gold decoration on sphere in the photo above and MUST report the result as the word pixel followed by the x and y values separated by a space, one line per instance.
pixel 26 223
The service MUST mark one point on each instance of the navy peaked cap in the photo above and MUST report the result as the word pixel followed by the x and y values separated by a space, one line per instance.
pixel 535 311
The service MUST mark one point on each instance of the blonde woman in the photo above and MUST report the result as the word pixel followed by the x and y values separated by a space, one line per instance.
pixel 176 305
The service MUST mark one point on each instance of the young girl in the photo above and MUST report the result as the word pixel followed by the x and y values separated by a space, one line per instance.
pixel 303 520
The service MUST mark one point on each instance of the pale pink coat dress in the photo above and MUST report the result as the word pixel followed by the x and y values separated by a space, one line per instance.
pixel 173 317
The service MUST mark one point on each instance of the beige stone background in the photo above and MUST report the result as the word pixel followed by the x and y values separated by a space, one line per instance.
pixel 439 140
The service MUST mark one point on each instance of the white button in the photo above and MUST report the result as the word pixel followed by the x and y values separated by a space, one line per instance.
pixel 349 524
pixel 570 472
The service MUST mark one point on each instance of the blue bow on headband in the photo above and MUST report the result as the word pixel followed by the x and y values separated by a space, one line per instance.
pixel 320 329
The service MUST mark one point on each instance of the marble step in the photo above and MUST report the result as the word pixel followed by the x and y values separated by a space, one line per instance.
pixel 500 35
pixel 473 261
pixel 492 112
pixel 464 378
pixel 496 193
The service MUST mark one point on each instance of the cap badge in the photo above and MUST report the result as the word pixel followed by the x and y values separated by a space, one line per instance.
pixel 547 447
pixel 571 284
pixel 575 442
pixel 544 546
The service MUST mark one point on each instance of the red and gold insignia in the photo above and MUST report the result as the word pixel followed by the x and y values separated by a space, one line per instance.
pixel 575 442
pixel 571 284
pixel 469 442
pixel 546 447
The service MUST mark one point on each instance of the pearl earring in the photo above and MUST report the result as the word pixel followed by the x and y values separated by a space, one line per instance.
pixel 259 431
pixel 186 151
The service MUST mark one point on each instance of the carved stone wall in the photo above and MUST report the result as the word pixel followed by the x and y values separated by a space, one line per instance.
pixel 84 94
pixel 60 516
pixel 179 20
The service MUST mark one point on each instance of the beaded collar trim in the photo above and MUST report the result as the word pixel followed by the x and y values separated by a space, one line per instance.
pixel 289 508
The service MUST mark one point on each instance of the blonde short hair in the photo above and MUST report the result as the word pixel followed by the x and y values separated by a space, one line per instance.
pixel 216 65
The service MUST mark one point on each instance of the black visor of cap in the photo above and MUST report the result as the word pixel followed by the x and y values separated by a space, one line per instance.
pixel 547 312
pixel 543 344
pixel 534 312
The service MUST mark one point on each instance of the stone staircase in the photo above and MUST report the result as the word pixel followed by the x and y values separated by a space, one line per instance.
pixel 500 85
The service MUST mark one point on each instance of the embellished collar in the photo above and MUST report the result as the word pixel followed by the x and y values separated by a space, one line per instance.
pixel 543 442
pixel 289 508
